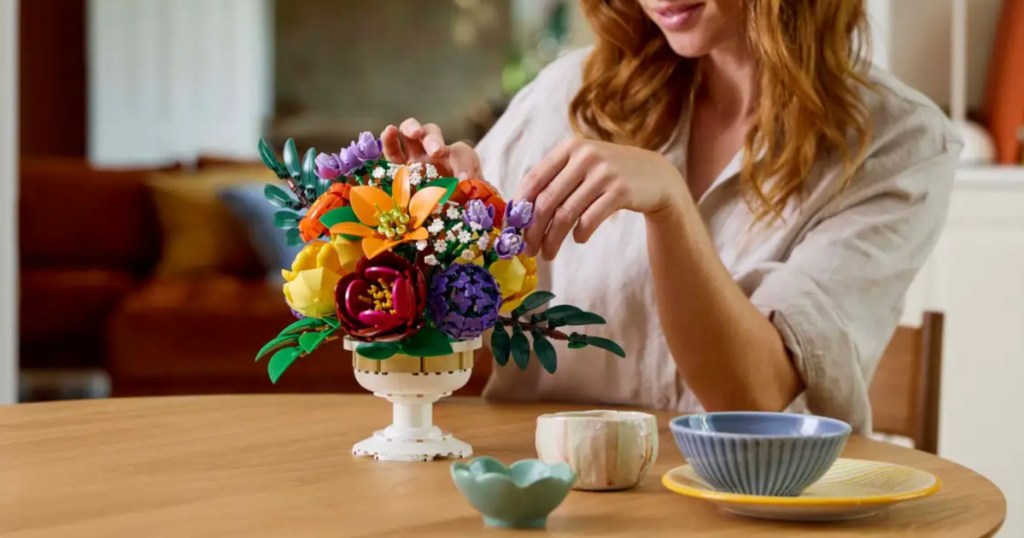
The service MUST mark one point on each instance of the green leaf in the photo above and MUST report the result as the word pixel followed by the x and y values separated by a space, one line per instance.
pixel 533 300
pixel 558 312
pixel 605 344
pixel 312 340
pixel 331 321
pixel 280 197
pixel 280 340
pixel 520 348
pixel 303 325
pixel 308 177
pixel 545 351
pixel 377 350
pixel 500 344
pixel 293 237
pixel 291 158
pixel 281 361
pixel 577 341
pixel 268 156
pixel 428 342
pixel 446 183
pixel 339 215
pixel 286 219
pixel 581 318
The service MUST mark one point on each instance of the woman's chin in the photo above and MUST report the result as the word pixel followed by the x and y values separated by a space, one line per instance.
pixel 688 46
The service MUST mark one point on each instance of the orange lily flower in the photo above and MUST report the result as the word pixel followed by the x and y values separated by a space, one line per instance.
pixel 386 221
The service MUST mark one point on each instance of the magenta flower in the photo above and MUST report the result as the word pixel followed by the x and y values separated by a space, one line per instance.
pixel 382 300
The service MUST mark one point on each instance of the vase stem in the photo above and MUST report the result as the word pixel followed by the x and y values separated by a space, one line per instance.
pixel 414 416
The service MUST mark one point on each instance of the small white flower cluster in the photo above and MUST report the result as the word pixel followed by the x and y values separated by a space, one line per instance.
pixel 431 171
pixel 379 173
pixel 430 259
pixel 392 168
pixel 415 173
pixel 436 226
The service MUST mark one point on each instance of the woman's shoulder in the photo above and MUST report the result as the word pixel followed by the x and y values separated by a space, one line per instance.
pixel 559 81
pixel 904 117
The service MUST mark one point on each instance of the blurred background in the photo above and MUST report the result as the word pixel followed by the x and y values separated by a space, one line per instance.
pixel 137 256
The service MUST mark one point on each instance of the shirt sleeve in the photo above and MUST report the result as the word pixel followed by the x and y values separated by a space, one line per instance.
pixel 837 298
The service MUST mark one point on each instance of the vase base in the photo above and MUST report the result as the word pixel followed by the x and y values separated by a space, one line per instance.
pixel 384 448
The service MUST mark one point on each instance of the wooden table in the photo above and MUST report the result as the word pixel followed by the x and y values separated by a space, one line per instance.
pixel 280 466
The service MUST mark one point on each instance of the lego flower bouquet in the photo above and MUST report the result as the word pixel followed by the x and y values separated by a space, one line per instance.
pixel 410 269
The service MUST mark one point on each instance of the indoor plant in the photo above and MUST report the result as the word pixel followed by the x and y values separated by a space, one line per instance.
pixel 410 269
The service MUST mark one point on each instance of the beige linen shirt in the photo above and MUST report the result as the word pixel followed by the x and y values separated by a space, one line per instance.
pixel 831 276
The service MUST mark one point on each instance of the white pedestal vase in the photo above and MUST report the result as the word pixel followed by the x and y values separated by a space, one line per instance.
pixel 412 385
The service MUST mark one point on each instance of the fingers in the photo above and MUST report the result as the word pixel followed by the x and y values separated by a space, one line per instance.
pixel 392 146
pixel 551 201
pixel 595 215
pixel 568 213
pixel 545 171
pixel 464 161
pixel 412 140
pixel 433 141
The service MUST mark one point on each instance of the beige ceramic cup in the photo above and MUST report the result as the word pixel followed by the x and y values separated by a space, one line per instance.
pixel 607 449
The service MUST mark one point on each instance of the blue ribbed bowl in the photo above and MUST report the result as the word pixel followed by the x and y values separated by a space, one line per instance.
pixel 775 454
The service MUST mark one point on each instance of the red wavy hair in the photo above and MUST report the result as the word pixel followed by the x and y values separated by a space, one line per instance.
pixel 811 62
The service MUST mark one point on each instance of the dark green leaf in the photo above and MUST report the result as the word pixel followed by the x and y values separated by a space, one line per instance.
pixel 280 197
pixel 339 215
pixel 281 361
pixel 286 219
pixel 533 300
pixel 577 345
pixel 446 183
pixel 377 350
pixel 428 342
pixel 500 344
pixel 291 158
pixel 520 348
pixel 545 351
pixel 268 156
pixel 581 318
pixel 308 177
pixel 558 312
pixel 606 344
pixel 281 340
pixel 331 321
pixel 304 325
pixel 312 340
pixel 293 237
pixel 577 340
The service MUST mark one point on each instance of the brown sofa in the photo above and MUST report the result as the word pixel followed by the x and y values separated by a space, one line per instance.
pixel 90 240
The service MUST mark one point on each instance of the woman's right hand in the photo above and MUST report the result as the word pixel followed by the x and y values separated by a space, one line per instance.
pixel 412 142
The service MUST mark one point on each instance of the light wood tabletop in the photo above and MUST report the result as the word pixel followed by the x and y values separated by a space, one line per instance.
pixel 281 466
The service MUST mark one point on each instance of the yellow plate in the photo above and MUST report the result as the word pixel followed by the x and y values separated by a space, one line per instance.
pixel 850 489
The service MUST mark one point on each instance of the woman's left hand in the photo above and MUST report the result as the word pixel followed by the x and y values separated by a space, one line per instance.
pixel 582 182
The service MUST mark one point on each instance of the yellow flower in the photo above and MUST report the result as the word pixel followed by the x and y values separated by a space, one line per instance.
pixel 517 278
pixel 349 253
pixel 309 285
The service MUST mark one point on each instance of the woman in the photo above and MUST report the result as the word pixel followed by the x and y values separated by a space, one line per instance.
pixel 754 200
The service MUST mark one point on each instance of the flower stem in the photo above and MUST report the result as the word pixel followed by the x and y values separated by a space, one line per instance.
pixel 528 326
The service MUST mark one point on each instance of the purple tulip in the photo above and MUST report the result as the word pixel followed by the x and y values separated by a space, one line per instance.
pixel 463 301
pixel 349 159
pixel 480 214
pixel 367 148
pixel 509 243
pixel 328 166
pixel 518 214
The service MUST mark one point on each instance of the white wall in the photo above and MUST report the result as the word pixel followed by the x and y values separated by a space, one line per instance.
pixel 8 200
pixel 172 79
pixel 912 39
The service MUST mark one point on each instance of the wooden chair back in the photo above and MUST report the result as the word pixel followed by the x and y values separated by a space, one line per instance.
pixel 904 393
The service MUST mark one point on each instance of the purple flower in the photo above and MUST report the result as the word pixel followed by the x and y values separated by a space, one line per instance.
pixel 509 243
pixel 349 159
pixel 463 301
pixel 480 214
pixel 518 214
pixel 328 166
pixel 367 148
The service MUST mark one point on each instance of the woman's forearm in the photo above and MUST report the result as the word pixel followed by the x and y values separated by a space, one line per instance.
pixel 726 351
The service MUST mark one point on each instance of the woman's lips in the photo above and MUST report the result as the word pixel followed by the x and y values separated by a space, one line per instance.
pixel 678 16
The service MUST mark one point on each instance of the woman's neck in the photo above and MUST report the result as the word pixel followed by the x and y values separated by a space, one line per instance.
pixel 729 80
